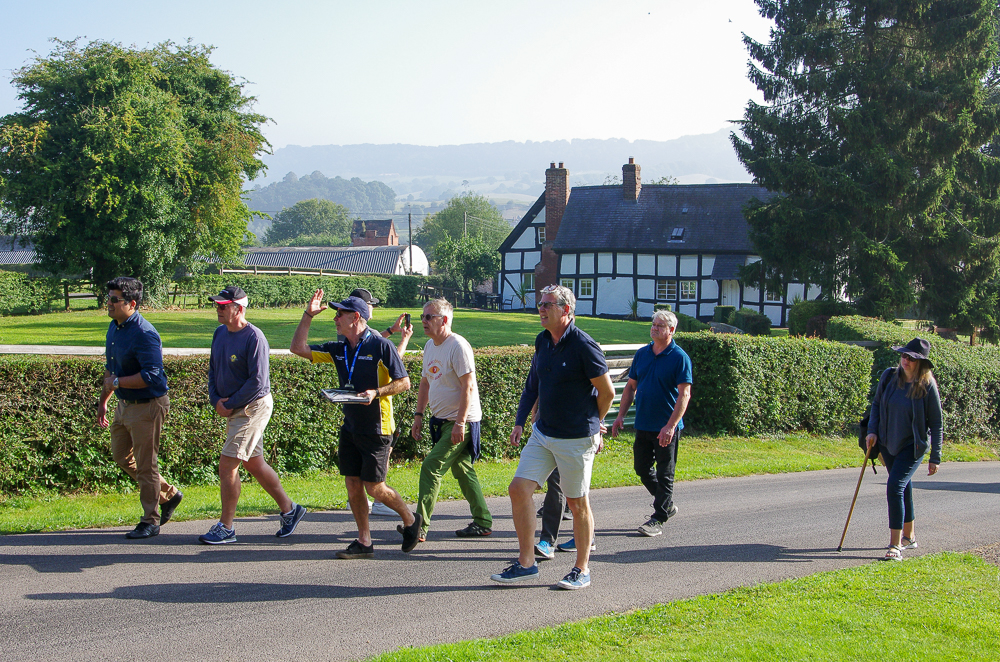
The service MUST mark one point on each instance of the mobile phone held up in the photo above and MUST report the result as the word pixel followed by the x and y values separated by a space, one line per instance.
pixel 408 319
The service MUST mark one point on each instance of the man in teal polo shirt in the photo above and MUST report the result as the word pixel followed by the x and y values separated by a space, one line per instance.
pixel 660 382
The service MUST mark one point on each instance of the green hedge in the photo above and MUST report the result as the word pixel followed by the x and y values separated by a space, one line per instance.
pixel 49 439
pixel 800 313
pixel 723 313
pixel 751 321
pixel 272 291
pixel 20 294
pixel 968 377
pixel 751 384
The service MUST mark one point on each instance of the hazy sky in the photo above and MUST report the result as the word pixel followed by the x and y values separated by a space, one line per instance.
pixel 434 73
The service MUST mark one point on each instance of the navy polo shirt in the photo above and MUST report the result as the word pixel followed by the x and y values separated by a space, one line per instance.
pixel 134 347
pixel 377 364
pixel 559 379
pixel 657 377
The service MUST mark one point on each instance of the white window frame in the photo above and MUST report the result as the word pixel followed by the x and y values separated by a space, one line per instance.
pixel 569 284
pixel 666 290
pixel 689 285
pixel 586 287
pixel 772 297
pixel 541 234
pixel 528 280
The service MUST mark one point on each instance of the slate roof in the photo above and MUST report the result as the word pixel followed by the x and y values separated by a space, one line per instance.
pixel 598 218
pixel 356 259
pixel 381 227
pixel 727 267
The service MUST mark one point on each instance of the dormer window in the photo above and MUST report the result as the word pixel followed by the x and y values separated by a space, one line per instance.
pixel 677 234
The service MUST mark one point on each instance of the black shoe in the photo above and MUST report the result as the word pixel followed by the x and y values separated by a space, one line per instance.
pixel 411 533
pixel 167 509
pixel 357 551
pixel 143 530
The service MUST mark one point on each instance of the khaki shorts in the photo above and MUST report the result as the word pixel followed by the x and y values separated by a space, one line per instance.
pixel 245 434
pixel 573 457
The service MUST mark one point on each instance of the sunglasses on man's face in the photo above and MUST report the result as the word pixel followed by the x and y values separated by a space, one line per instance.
pixel 221 306
pixel 117 300
pixel 428 317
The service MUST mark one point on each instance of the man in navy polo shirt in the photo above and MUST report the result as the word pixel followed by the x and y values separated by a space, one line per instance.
pixel 569 380
pixel 660 382
pixel 369 364
pixel 134 372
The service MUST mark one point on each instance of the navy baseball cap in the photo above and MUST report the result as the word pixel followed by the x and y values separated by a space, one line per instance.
pixel 231 294
pixel 354 305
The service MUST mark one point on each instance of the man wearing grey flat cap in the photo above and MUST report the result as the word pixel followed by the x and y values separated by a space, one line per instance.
pixel 369 364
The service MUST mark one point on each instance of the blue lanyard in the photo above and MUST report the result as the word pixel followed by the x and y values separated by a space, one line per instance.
pixel 350 371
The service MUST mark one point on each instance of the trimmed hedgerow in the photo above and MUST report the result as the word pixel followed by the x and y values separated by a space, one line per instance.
pixel 723 313
pixel 273 291
pixel 751 384
pixel 751 322
pixel 802 311
pixel 49 438
pixel 968 377
pixel 21 294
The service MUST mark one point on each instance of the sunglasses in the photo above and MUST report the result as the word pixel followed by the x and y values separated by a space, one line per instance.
pixel 220 306
pixel 341 313
pixel 547 304
pixel 117 300
pixel 428 318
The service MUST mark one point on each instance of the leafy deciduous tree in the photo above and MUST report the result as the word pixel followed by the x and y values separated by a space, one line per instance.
pixel 466 214
pixel 467 261
pixel 128 161
pixel 311 223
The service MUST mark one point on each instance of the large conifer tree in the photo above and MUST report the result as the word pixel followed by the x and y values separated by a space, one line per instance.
pixel 873 124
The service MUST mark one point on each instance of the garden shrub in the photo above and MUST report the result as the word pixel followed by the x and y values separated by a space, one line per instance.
pixel 723 313
pixel 968 377
pixel 802 311
pixel 403 291
pixel 816 326
pixel 751 322
pixel 749 384
pixel 20 294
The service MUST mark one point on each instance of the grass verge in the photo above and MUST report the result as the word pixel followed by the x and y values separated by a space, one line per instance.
pixel 938 607
pixel 700 456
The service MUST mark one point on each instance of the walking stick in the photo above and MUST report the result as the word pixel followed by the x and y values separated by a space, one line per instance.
pixel 864 465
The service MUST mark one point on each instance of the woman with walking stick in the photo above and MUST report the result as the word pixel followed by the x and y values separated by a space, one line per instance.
pixel 906 418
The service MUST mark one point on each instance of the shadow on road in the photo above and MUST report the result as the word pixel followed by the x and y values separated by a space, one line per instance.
pixel 985 488
pixel 723 553
pixel 230 592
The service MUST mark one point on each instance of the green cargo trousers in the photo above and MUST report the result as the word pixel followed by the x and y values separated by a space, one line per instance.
pixel 456 457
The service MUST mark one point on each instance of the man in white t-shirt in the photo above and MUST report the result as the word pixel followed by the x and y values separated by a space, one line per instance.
pixel 448 388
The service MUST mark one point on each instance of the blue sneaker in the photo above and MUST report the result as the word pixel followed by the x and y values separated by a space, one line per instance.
pixel 219 535
pixel 290 521
pixel 516 573
pixel 570 546
pixel 543 549
pixel 574 580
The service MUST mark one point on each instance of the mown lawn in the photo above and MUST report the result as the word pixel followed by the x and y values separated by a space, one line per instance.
pixel 194 327
pixel 700 456
pixel 938 607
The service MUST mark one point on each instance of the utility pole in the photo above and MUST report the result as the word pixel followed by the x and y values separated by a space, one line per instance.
pixel 409 225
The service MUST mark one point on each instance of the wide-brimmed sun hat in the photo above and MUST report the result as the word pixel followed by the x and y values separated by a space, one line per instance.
pixel 918 348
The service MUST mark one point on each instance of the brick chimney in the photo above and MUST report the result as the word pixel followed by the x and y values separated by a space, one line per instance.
pixel 631 181
pixel 556 195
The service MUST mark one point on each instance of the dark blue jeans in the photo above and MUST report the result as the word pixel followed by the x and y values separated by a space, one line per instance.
pixel 898 490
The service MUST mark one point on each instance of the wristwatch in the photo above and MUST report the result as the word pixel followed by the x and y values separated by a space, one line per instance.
pixel 389 330
pixel 114 384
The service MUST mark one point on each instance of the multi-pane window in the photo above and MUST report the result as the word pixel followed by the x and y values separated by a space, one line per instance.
pixel 567 283
pixel 586 287
pixel 666 290
pixel 541 234
pixel 689 290
pixel 528 280
pixel 774 297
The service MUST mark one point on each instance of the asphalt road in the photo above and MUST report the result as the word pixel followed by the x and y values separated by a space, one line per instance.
pixel 92 595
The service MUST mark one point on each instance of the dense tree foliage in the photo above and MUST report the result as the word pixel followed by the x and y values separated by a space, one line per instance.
pixel 128 162
pixel 357 196
pixel 311 223
pixel 466 214
pixel 873 124
pixel 466 262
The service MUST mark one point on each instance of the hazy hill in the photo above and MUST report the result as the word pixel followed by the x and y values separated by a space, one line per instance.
pixel 415 168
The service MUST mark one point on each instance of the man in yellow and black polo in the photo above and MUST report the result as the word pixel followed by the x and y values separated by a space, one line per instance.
pixel 369 364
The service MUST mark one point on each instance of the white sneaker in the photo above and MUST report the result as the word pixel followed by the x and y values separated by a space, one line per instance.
pixel 379 508
pixel 370 505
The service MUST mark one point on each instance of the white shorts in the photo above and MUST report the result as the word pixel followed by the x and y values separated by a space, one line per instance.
pixel 573 457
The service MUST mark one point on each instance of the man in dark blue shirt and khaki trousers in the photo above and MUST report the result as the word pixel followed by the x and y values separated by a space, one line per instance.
pixel 569 380
pixel 239 387
pixel 134 372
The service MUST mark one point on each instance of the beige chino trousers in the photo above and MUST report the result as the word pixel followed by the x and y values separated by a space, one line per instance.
pixel 135 443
